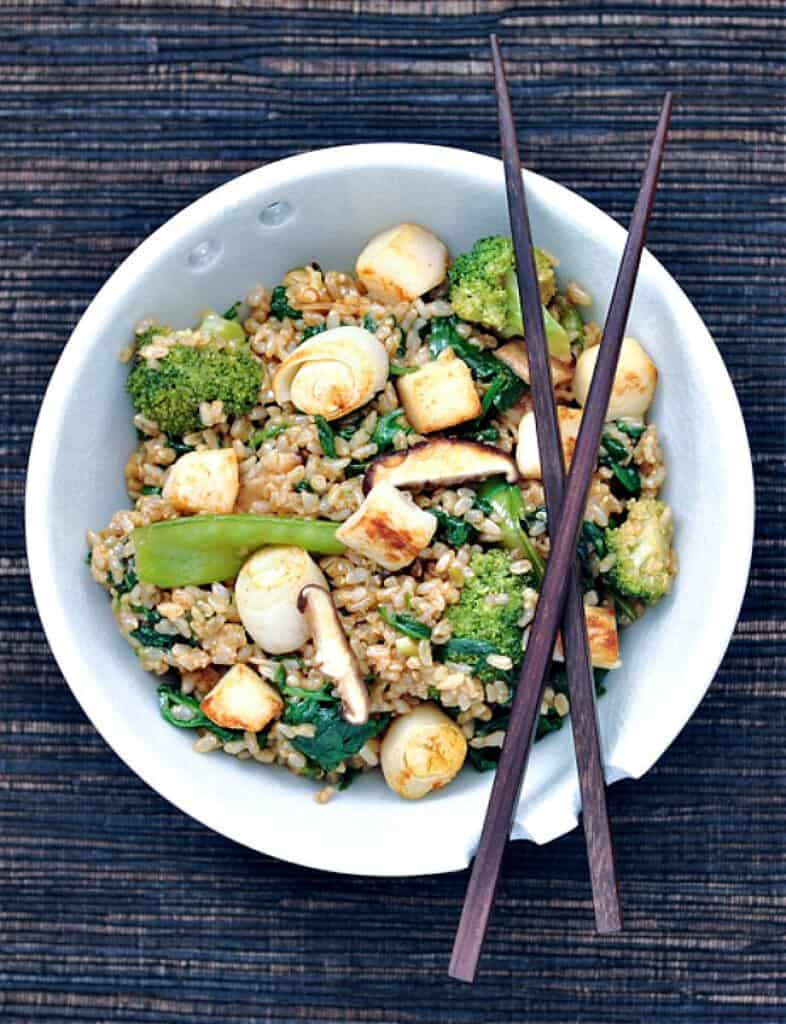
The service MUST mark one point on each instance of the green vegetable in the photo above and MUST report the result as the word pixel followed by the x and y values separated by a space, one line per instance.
pixel 370 323
pixel 452 530
pixel 179 448
pixel 322 696
pixel 434 694
pixel 505 501
pixel 304 485
pixel 348 777
pixel 334 739
pixel 148 636
pixel 485 435
pixel 508 387
pixel 591 546
pixel 215 326
pixel 142 338
pixel 633 430
pixel 185 712
pixel 355 469
pixel 388 425
pixel 573 324
pixel 128 582
pixel 623 609
pixel 401 371
pixel 149 489
pixel 644 566
pixel 615 455
pixel 536 521
pixel 280 307
pixel 486 758
pixel 209 549
pixel 310 332
pixel 171 392
pixel 406 624
pixel 266 434
pixel 616 449
pixel 480 628
pixel 233 313
pixel 484 290
pixel 327 438
pixel 465 650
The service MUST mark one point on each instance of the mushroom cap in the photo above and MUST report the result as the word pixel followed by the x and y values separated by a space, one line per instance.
pixel 440 462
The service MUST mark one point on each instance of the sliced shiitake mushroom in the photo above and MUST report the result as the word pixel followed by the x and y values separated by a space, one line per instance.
pixel 515 355
pixel 334 657
pixel 440 462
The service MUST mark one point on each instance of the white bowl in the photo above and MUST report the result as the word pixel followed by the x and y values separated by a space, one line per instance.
pixel 323 206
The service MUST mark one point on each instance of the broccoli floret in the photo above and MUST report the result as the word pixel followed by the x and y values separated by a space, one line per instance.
pixel 483 289
pixel 171 392
pixel 481 627
pixel 645 563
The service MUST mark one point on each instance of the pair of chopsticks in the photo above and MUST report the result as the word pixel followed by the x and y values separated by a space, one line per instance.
pixel 560 593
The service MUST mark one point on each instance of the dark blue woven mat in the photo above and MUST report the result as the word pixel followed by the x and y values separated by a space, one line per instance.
pixel 113 906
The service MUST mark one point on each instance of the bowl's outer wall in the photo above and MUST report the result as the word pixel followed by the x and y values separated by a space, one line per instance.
pixel 338 199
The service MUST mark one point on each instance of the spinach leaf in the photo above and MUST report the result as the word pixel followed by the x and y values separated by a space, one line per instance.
pixel 334 739
pixel 453 530
pixel 401 371
pixel 465 650
pixel 310 332
pixel 387 427
pixel 599 674
pixel 304 485
pixel 266 434
pixel 477 432
pixel 617 458
pixel 148 636
pixel 326 437
pixel 370 323
pixel 591 544
pixel 405 624
pixel 485 759
pixel 627 477
pixel 185 712
pixel 179 448
pixel 355 469
pixel 321 696
pixel 233 313
pixel 128 582
pixel 349 776
pixel 633 430
pixel 279 305
pixel 536 521
pixel 622 606
pixel 149 489
pixel 507 386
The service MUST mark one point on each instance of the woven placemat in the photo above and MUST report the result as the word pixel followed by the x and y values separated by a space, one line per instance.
pixel 114 907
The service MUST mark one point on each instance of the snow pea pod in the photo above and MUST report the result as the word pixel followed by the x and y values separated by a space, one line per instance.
pixel 210 549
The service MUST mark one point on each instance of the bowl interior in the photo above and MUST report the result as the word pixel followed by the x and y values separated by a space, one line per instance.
pixel 324 206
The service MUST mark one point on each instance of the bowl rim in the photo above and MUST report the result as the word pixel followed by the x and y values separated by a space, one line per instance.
pixel 55 624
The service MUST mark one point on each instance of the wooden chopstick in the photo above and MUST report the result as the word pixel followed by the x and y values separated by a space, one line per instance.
pixel 526 703
pixel 581 684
